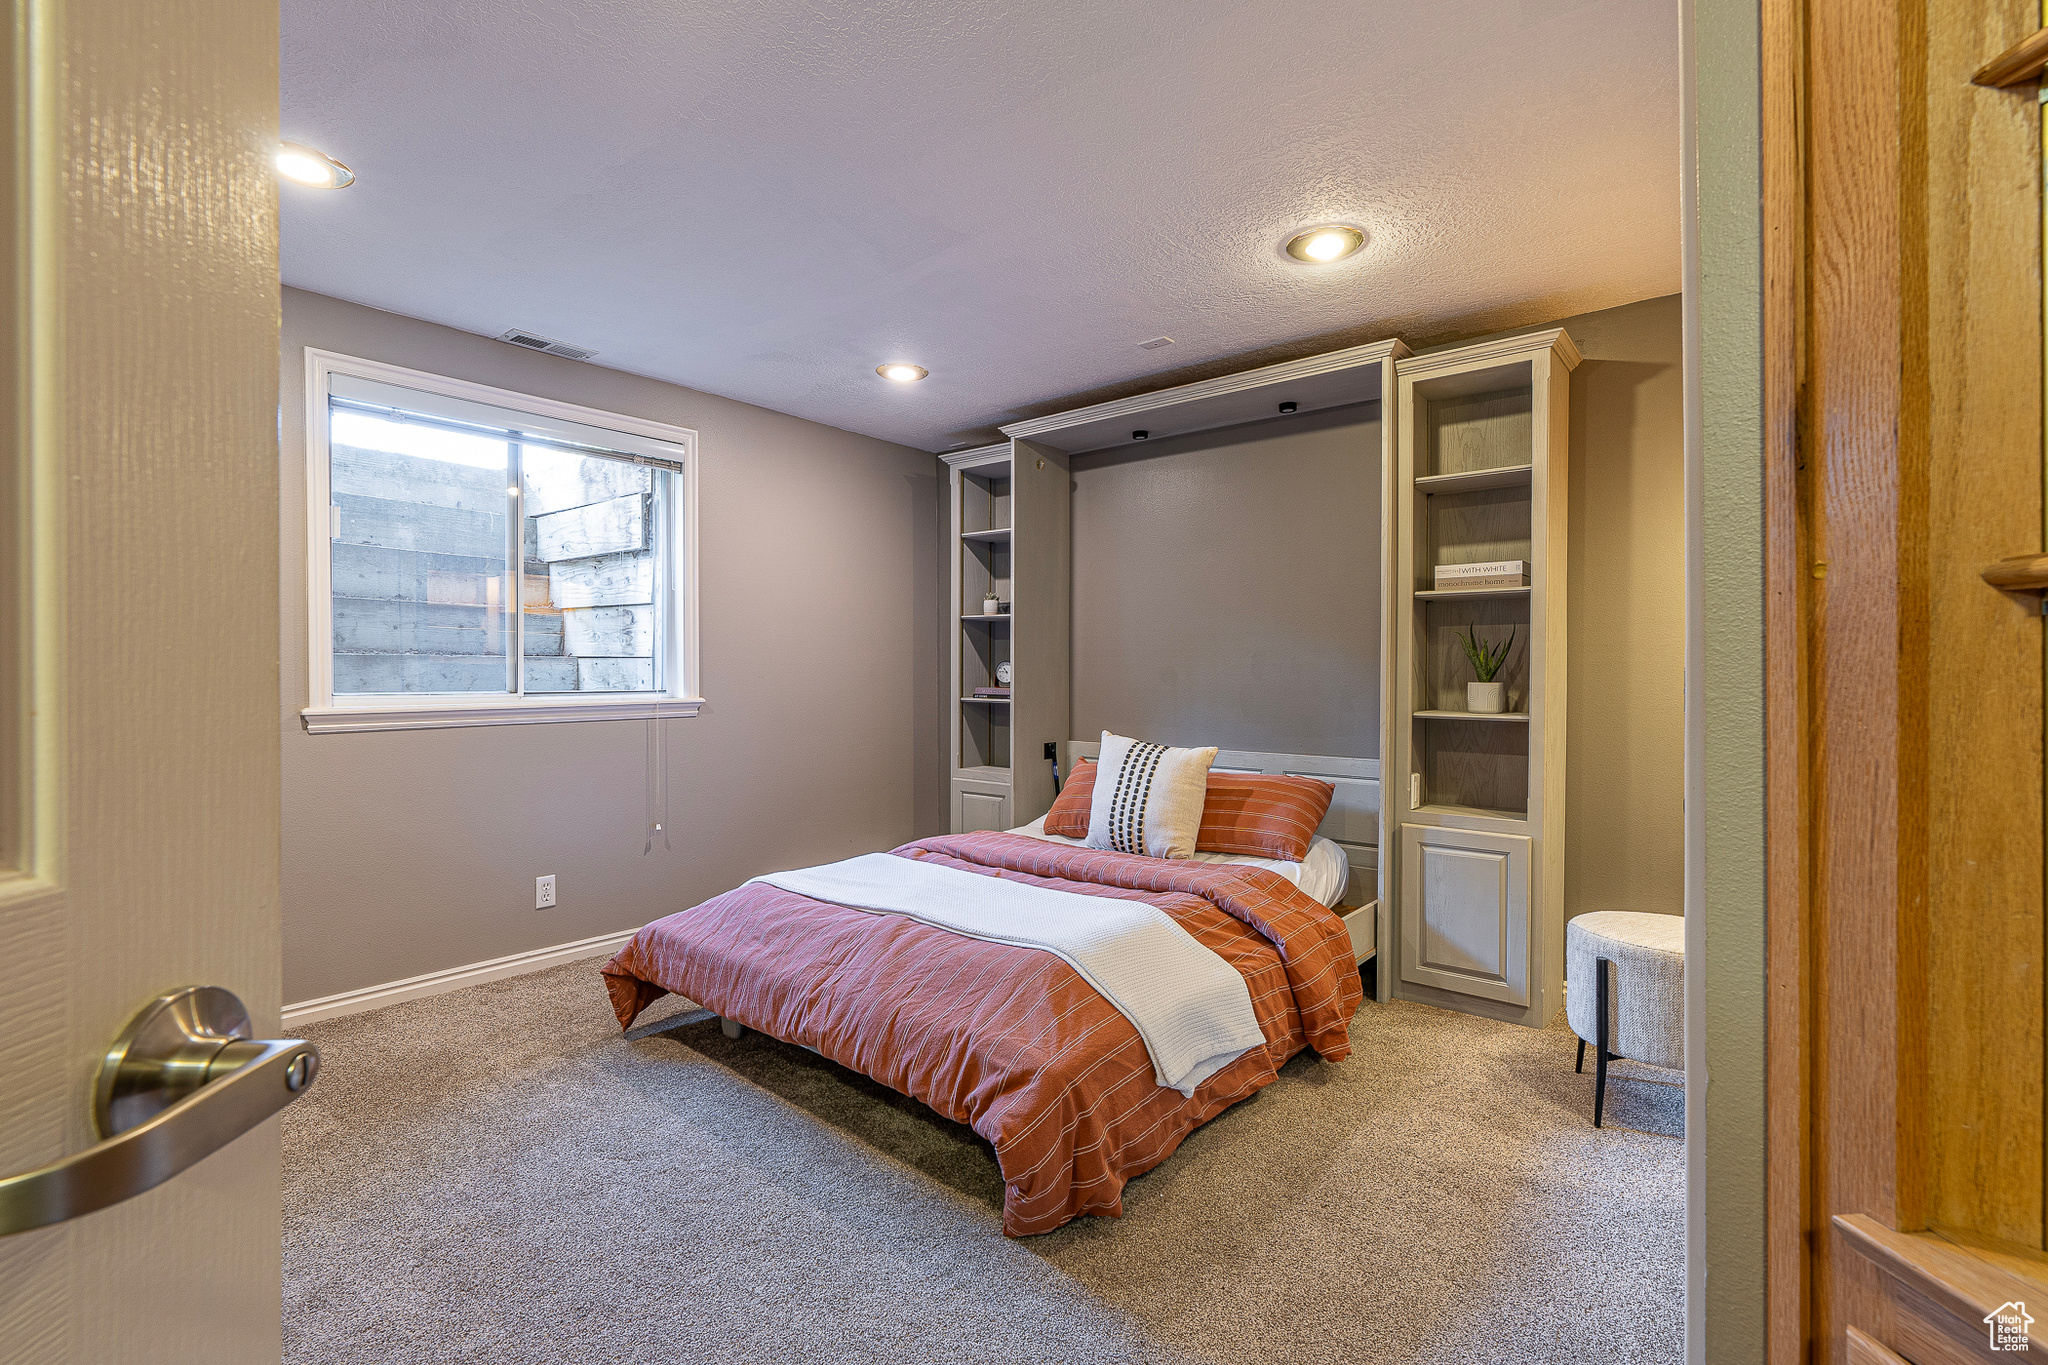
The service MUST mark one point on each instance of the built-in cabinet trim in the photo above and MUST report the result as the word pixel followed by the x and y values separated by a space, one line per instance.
pixel 1331 380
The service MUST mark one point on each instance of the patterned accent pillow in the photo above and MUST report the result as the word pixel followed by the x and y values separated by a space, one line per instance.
pixel 1068 817
pixel 1263 815
pixel 1148 798
pixel 1258 815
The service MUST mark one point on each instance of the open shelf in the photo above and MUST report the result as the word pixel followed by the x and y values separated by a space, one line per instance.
pixel 1466 762
pixel 1480 812
pixel 986 701
pixel 1439 667
pixel 985 620
pixel 985 737
pixel 1474 425
pixel 995 533
pixel 1439 594
pixel 1506 476
pixel 984 568
pixel 984 505
pixel 1522 716
pixel 984 774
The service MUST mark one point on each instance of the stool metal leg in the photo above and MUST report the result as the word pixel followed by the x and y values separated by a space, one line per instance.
pixel 1600 1052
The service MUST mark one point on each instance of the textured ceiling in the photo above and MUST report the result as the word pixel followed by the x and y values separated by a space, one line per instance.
pixel 767 200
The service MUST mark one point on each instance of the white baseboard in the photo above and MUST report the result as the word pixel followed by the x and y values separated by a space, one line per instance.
pixel 453 979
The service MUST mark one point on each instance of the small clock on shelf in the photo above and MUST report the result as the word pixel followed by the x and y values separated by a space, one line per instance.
pixel 1003 673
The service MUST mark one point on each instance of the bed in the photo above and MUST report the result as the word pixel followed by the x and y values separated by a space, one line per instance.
pixel 1010 1039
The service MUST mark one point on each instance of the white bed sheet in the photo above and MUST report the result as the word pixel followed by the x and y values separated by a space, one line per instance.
pixel 1324 873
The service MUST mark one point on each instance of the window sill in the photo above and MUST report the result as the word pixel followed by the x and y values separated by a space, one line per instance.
pixel 342 720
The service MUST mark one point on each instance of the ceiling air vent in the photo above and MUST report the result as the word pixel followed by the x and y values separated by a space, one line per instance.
pixel 533 341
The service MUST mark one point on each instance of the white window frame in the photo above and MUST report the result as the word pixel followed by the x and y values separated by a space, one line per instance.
pixel 442 710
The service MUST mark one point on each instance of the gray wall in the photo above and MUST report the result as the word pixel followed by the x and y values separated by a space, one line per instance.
pixel 1226 591
pixel 412 851
pixel 1226 587
pixel 1624 802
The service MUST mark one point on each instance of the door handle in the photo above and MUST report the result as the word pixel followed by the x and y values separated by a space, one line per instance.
pixel 183 1080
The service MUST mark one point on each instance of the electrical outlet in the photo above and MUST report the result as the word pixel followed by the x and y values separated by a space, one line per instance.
pixel 544 892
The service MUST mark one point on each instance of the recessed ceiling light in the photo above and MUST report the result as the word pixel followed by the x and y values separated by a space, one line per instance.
pixel 307 166
pixel 902 372
pixel 1321 245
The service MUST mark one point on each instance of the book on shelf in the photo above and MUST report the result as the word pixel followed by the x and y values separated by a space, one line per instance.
pixel 991 691
pixel 1498 573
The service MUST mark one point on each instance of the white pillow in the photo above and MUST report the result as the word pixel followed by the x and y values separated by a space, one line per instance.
pixel 1148 798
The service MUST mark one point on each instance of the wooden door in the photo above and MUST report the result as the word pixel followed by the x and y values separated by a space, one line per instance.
pixel 1465 912
pixel 139 712
pixel 1902 459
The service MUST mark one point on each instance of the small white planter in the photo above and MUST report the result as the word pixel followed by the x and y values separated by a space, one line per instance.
pixel 1486 699
pixel 990 606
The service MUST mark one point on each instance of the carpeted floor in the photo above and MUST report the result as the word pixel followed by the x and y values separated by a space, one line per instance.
pixel 497 1175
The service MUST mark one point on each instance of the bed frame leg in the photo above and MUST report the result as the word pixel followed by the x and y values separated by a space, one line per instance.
pixel 1581 1067
pixel 731 1028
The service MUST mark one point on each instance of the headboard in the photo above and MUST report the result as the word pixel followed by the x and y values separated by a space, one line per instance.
pixel 1354 818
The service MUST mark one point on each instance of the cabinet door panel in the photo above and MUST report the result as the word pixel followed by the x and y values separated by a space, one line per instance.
pixel 1465 912
pixel 976 811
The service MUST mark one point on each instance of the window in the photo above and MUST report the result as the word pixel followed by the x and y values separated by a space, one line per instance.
pixel 480 557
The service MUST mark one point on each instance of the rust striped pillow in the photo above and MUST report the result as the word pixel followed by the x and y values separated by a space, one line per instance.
pixel 1259 815
pixel 1263 815
pixel 1068 817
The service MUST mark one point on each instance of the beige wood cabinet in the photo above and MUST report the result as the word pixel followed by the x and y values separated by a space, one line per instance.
pixel 1465 911
pixel 1009 541
pixel 1480 477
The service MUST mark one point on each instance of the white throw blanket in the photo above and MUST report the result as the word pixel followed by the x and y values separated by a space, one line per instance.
pixel 1189 1005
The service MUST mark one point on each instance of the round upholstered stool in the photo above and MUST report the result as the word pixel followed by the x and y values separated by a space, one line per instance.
pixel 1624 977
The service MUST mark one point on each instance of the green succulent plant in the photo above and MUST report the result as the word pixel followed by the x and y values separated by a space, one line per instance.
pixel 1486 658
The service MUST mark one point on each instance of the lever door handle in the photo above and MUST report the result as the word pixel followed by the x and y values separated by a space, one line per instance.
pixel 183 1080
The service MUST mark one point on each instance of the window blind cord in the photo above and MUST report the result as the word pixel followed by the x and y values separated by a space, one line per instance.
pixel 657 782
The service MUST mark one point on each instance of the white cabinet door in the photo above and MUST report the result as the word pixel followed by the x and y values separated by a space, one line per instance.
pixel 1465 912
pixel 138 845
pixel 975 810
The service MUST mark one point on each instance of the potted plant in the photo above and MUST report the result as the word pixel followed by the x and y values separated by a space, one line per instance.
pixel 990 605
pixel 1486 697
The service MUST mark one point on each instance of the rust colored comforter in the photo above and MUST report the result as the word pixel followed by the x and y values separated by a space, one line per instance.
pixel 1010 1040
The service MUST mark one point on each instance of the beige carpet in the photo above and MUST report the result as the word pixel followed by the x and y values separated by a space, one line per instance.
pixel 497 1175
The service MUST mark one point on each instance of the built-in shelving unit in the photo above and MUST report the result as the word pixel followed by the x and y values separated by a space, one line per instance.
pixel 1476 874
pixel 1009 537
